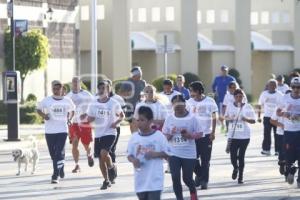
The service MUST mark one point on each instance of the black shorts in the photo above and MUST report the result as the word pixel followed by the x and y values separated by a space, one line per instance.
pixel 105 142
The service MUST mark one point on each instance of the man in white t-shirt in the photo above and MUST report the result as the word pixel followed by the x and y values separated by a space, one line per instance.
pixel 289 109
pixel 80 129
pixel 169 92
pixel 106 114
pixel 269 100
pixel 206 109
pixel 281 86
pixel 57 111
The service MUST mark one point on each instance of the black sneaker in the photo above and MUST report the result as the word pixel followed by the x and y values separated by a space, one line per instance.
pixel 282 169
pixel 204 186
pixel 112 174
pixel 76 169
pixel 240 181
pixel 62 173
pixel 54 179
pixel 290 178
pixel 105 185
pixel 90 161
pixel 234 174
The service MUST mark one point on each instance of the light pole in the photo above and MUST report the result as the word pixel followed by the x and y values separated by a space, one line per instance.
pixel 47 16
pixel 94 56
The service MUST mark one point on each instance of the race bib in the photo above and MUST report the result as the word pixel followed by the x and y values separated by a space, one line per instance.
pixel 58 111
pixel 178 140
pixel 102 113
pixel 239 126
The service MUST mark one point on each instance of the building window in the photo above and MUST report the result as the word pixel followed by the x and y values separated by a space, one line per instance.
pixel 265 17
pixel 131 15
pixel 199 17
pixel 142 15
pixel 224 16
pixel 210 16
pixel 254 18
pixel 275 18
pixel 156 14
pixel 100 12
pixel 84 13
pixel 285 17
pixel 170 14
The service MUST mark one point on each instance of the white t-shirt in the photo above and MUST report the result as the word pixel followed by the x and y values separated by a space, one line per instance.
pixel 291 105
pixel 283 88
pixel 229 98
pixel 269 101
pixel 158 109
pixel 82 99
pixel 169 97
pixel 181 147
pixel 58 114
pixel 150 177
pixel 237 128
pixel 279 130
pixel 204 110
pixel 105 115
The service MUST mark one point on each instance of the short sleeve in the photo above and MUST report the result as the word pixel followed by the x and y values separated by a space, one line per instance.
pixel 213 107
pixel 91 110
pixel 41 105
pixel 166 129
pixel 249 112
pixel 261 99
pixel 130 146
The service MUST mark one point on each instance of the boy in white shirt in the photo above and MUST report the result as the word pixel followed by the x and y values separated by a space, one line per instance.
pixel 206 109
pixel 57 111
pixel 269 100
pixel 106 114
pixel 146 148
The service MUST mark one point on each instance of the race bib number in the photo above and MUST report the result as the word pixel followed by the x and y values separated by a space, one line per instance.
pixel 102 113
pixel 239 126
pixel 58 111
pixel 178 140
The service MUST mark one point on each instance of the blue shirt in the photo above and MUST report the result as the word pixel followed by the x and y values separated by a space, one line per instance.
pixel 220 86
pixel 184 91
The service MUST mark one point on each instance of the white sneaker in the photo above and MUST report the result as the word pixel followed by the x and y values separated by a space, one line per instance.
pixel 266 153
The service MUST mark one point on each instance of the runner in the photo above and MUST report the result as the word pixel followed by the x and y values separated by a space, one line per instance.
pixel 168 93
pixel 239 115
pixel 80 129
pixel 281 86
pixel 106 114
pixel 181 129
pixel 269 100
pixel 57 111
pixel 121 101
pixel 158 109
pixel 289 109
pixel 146 148
pixel 206 109
pixel 179 87
pixel 131 92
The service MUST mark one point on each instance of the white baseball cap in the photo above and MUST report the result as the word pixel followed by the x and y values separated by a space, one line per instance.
pixel 295 81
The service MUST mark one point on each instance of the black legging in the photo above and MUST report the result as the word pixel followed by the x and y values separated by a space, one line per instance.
pixel 187 166
pixel 112 152
pixel 237 153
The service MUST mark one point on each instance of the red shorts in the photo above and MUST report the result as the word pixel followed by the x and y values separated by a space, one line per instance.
pixel 82 131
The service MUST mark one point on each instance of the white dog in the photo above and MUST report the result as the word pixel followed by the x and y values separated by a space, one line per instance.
pixel 28 155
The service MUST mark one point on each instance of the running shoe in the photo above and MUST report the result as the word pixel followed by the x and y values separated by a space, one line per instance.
pixel 54 179
pixel 105 185
pixel 290 178
pixel 266 153
pixel 198 181
pixel 282 169
pixel 62 172
pixel 234 174
pixel 204 185
pixel 90 161
pixel 76 169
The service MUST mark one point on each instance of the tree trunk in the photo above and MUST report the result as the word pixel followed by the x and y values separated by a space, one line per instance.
pixel 22 90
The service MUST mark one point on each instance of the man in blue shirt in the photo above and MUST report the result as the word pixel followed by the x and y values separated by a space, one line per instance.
pixel 220 85
pixel 180 87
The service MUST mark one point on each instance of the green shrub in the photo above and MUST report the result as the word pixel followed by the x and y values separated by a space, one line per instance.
pixel 158 82
pixel 236 74
pixel 31 97
pixel 189 78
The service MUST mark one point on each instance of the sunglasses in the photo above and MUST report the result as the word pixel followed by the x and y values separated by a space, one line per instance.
pixel 295 87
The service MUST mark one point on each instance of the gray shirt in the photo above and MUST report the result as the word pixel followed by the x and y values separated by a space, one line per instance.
pixel 133 89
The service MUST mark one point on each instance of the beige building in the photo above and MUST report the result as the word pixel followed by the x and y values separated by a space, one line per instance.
pixel 257 37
